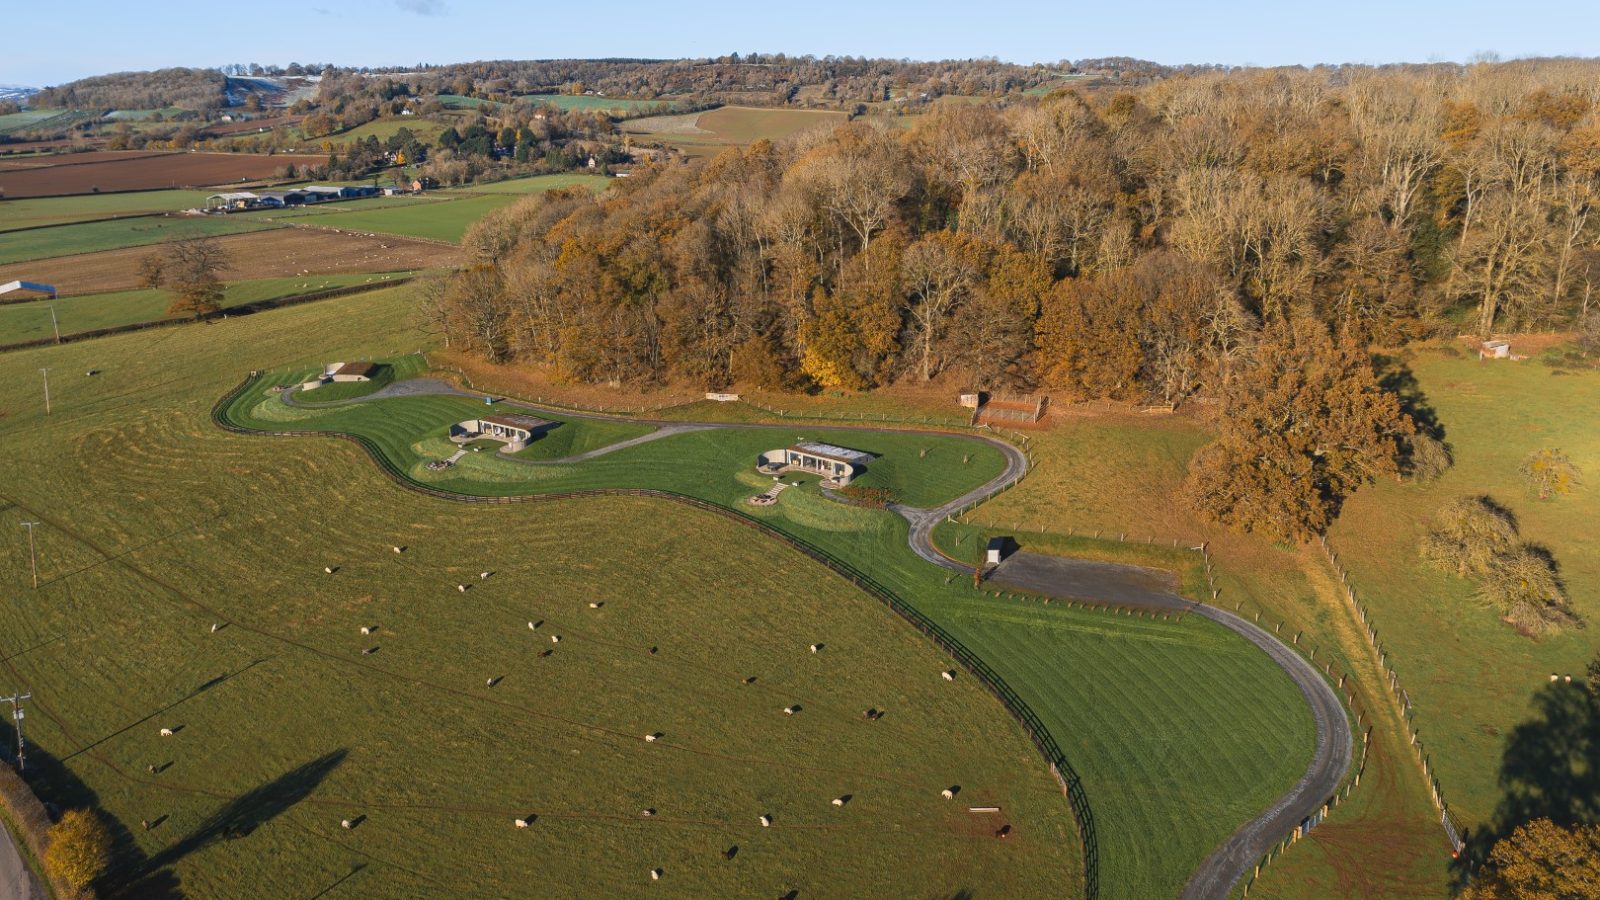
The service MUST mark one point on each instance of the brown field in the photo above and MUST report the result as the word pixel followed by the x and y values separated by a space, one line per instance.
pixel 134 171
pixel 74 159
pixel 279 253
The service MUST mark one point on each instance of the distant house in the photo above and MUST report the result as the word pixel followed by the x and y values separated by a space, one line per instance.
pixel 350 371
pixel 514 430
pixel 836 464
pixel 1494 350
pixel 971 399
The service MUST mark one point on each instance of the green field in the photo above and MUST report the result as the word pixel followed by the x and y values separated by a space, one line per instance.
pixel 31 120
pixel 431 221
pixel 706 133
pixel 426 130
pixel 88 237
pixel 456 101
pixel 26 213
pixel 538 184
pixel 140 115
pixel 605 104
pixel 1232 730
pixel 1471 678
pixel 157 526
pixel 31 320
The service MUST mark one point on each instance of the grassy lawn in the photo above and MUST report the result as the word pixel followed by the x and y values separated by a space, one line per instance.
pixel 538 184
pixel 446 221
pixel 576 436
pixel 89 237
pixel 425 130
pixel 159 525
pixel 27 321
pixel 388 372
pixel 29 212
pixel 1471 678
pixel 1230 731
pixel 605 104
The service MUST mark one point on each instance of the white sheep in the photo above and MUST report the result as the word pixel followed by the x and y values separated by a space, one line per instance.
pixel 214 627
pixel 649 739
pixel 462 588
pixel 595 605
pixel 532 627
pixel 790 710
pixel 766 821
pixel 366 629
pixel 166 732
pixel 328 569
pixel 484 574
pixel 838 801
pixel 647 813
pixel 346 824
pixel 555 638
pixel 815 647
pixel 950 675
pixel 655 874
pixel 522 823
pixel 1554 678
pixel 399 549
pixel 948 793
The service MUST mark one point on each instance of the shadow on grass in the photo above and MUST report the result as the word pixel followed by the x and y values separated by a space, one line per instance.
pixel 245 813
pixel 1550 769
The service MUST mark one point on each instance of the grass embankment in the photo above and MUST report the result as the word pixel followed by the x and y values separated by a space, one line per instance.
pixel 158 525
pixel 29 321
pixel 1233 730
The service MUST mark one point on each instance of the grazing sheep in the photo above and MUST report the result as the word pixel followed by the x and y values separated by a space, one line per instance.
pixel 145 823
pixel 522 823
pixel 766 821
pixel 1569 679
pixel 750 679
pixel 815 647
pixel 653 651
pixel 838 801
pixel 532 627
pixel 1554 678
pixel 328 569
pixel 950 675
pixel 948 793
pixel 484 574
pixel 596 605
pixel 790 710
pixel 368 651
pixel 462 588
pixel 649 739
pixel 214 627
pixel 1003 832
pixel 366 629
pixel 648 812
pixel 491 682
pixel 655 874
pixel 166 732
pixel 547 652
pixel 399 549
pixel 730 852
pixel 555 638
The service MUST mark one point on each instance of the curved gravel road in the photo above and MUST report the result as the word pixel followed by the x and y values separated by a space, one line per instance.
pixel 1223 869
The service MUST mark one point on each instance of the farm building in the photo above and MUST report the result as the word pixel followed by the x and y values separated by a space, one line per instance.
pixel 512 429
pixel 233 200
pixel 33 286
pixel 996 551
pixel 280 199
pixel 1494 350
pixel 971 399
pixel 838 464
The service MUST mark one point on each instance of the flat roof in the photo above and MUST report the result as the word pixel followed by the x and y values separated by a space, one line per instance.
pixel 832 451
pixel 235 195
pixel 356 368
pixel 510 420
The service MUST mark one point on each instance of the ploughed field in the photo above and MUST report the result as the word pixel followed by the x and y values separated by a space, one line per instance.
pixel 140 170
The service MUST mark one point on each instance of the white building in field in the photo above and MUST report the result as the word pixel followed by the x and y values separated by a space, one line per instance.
pixel 836 464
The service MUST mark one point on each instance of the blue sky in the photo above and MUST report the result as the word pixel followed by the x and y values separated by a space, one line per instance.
pixel 85 37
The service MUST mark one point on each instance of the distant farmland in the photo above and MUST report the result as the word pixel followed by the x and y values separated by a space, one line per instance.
pixel 143 171
pixel 705 133
pixel 585 102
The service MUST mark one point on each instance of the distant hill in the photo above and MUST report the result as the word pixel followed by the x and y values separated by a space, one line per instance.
pixel 272 90
pixel 16 93
pixel 187 88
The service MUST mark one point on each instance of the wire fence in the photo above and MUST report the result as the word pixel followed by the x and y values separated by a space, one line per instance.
pixel 1062 770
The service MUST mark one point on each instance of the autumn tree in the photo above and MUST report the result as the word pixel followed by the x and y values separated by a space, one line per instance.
pixel 1477 539
pixel 1541 860
pixel 193 274
pixel 1301 426
pixel 1549 473
pixel 152 271
pixel 78 849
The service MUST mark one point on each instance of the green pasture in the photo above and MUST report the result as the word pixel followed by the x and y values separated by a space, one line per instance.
pixel 90 237
pixel 42 120
pixel 31 320
pixel 33 211
pixel 457 101
pixel 426 130
pixel 1184 733
pixel 158 526
pixel 604 104
pixel 431 221
pixel 538 184
pixel 1473 680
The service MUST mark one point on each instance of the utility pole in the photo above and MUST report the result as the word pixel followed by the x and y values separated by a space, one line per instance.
pixel 16 716
pixel 46 374
pixel 53 323
pixel 33 558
